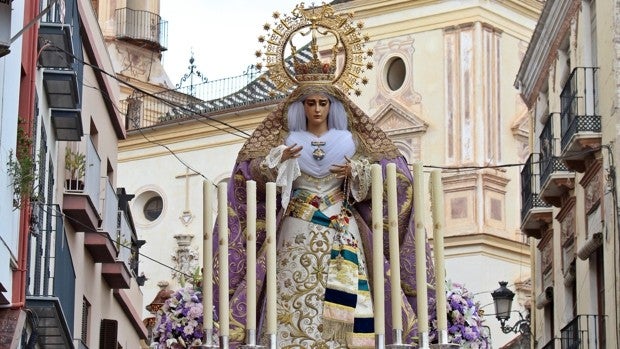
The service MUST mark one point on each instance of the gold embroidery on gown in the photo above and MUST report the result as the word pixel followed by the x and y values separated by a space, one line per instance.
pixel 303 254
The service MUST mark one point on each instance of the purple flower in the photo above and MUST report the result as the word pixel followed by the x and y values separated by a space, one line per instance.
pixel 465 326
pixel 179 321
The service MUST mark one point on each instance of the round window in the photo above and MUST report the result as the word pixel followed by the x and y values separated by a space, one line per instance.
pixel 396 73
pixel 153 207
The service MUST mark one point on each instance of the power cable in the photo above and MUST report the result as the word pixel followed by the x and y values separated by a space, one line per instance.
pixel 191 113
pixel 76 222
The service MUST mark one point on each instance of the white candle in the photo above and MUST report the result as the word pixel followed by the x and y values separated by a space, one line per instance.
pixel 270 222
pixel 377 251
pixel 207 255
pixel 392 200
pixel 420 249
pixel 438 249
pixel 223 259
pixel 251 255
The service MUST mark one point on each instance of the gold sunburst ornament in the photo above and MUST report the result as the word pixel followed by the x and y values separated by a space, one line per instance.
pixel 319 26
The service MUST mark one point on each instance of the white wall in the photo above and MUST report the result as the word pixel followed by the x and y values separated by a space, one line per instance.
pixel 9 97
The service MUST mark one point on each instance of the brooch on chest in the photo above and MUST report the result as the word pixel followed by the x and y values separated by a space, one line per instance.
pixel 318 153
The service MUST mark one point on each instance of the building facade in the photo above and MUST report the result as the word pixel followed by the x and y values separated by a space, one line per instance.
pixel 442 90
pixel 75 266
pixel 569 81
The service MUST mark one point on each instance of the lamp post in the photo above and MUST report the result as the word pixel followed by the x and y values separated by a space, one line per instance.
pixel 502 297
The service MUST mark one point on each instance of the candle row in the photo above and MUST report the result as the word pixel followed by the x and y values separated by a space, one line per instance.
pixel 377 262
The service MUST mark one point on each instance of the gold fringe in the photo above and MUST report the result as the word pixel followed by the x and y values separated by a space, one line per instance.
pixel 336 330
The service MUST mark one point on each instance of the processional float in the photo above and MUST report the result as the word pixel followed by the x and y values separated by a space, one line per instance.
pixel 377 260
pixel 349 44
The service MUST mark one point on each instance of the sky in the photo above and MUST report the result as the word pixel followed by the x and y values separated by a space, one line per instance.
pixel 222 34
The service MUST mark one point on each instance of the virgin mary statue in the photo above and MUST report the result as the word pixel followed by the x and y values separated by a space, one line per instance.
pixel 318 146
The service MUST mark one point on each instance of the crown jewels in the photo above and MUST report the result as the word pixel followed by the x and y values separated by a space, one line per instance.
pixel 318 27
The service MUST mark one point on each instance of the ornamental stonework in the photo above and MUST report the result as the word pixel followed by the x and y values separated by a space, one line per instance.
pixel 593 191
pixel 568 227
pixel 547 257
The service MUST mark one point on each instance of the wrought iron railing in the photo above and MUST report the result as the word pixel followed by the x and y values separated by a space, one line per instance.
pixel 578 104
pixel 550 166
pixel 53 274
pixel 583 332
pixel 142 25
pixel 55 13
pixel 530 186
pixel 196 101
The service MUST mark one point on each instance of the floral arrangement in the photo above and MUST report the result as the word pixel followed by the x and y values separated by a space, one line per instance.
pixel 464 320
pixel 179 321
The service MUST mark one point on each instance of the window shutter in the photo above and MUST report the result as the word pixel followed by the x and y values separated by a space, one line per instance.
pixel 108 334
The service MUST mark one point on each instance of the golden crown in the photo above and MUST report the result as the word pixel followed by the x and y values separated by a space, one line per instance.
pixel 318 24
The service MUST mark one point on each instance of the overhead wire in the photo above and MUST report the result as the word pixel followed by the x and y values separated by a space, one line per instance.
pixel 191 113
pixel 76 223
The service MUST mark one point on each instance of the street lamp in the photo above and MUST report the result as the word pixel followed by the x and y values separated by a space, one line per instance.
pixel 502 297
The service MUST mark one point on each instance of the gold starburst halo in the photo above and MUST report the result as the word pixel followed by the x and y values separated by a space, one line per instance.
pixel 319 23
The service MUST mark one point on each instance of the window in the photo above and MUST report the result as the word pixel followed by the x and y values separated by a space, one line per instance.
pixel 396 73
pixel 85 319
pixel 153 207
pixel 108 334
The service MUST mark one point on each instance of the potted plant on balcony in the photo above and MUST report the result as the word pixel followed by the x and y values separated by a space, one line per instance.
pixel 75 164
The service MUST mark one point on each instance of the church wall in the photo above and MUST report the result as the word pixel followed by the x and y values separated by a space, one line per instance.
pixel 415 116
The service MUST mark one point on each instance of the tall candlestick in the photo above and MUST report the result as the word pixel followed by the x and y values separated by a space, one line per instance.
pixel 377 251
pixel 392 200
pixel 251 255
pixel 223 259
pixel 270 222
pixel 207 256
pixel 438 251
pixel 420 251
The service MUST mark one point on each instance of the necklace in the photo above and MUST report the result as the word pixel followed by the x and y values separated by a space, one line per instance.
pixel 318 153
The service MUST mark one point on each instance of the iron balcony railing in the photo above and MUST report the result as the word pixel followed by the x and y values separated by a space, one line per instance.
pixel 549 162
pixel 143 26
pixel 578 104
pixel 52 273
pixel 583 332
pixel 550 166
pixel 55 11
pixel 530 186
pixel 195 101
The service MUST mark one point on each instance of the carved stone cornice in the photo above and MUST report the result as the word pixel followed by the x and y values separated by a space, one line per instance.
pixel 553 25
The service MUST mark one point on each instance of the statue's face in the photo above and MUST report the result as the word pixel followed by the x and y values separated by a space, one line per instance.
pixel 316 107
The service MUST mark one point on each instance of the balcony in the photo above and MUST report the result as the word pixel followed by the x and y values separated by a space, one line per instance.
pixel 535 213
pixel 82 187
pixel 100 247
pixel 55 45
pixel 116 275
pixel 581 127
pixel 61 89
pixel 583 332
pixel 51 289
pixel 555 178
pixel 142 27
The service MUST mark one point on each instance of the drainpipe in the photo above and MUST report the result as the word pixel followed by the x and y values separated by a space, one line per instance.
pixel 26 116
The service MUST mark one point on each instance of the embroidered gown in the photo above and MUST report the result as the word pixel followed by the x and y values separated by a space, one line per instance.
pixel 306 242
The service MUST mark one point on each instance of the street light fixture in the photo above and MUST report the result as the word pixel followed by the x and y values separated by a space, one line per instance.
pixel 502 297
